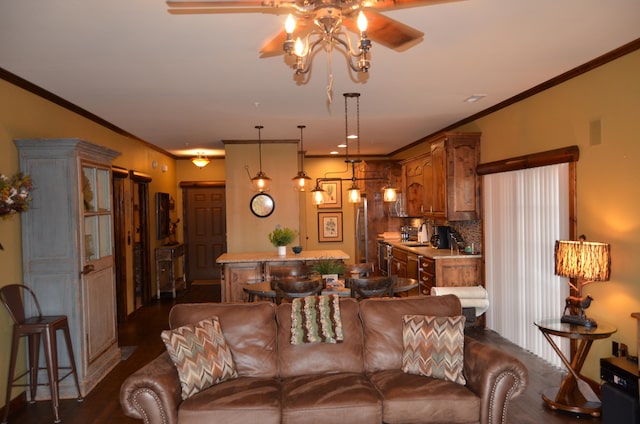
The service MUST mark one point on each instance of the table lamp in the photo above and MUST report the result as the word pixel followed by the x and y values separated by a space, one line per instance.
pixel 586 262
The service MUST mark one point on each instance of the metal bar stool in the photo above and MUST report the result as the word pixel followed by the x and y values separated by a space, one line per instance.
pixel 36 328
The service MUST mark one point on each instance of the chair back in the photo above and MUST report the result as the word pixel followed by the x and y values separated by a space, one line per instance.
pixel 363 269
pixel 365 288
pixel 292 287
pixel 12 299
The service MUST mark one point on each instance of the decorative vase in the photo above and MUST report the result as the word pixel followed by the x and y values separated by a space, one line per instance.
pixel 282 250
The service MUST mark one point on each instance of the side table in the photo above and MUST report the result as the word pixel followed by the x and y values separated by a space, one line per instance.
pixel 568 396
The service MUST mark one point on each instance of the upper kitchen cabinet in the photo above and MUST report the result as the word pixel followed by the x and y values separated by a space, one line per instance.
pixel 67 249
pixel 443 185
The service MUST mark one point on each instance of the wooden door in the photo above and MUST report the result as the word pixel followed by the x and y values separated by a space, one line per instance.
pixel 141 238
pixel 205 229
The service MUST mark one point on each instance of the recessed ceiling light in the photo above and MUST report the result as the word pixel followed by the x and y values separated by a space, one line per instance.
pixel 475 98
pixel 342 146
pixel 335 152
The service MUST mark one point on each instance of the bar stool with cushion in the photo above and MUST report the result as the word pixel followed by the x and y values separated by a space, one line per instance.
pixel 36 328
pixel 292 287
pixel 364 288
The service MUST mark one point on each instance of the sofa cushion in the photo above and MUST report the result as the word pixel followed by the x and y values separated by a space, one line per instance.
pixel 200 354
pixel 239 401
pixel 321 358
pixel 409 398
pixel 248 328
pixel 331 399
pixel 382 325
pixel 434 347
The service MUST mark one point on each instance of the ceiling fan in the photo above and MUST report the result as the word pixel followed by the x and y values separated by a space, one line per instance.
pixel 313 13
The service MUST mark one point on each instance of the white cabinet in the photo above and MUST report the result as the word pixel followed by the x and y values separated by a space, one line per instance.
pixel 67 242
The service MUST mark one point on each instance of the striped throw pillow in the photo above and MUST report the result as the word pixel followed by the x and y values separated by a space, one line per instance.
pixel 200 354
pixel 434 347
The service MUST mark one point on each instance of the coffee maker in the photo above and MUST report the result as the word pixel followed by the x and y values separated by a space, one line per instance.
pixel 441 238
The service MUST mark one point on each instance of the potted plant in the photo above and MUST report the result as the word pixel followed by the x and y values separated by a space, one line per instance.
pixel 280 237
pixel 330 270
pixel 14 194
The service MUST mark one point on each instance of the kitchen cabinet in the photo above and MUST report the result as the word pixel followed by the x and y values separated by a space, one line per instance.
pixel 398 263
pixel 457 271
pixel 170 276
pixel 67 250
pixel 443 185
pixel 427 274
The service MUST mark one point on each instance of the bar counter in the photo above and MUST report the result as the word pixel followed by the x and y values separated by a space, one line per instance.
pixel 252 267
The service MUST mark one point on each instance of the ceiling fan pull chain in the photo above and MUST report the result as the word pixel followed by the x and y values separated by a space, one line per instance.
pixel 329 73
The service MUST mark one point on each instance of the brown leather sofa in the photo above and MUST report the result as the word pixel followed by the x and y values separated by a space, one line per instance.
pixel 357 381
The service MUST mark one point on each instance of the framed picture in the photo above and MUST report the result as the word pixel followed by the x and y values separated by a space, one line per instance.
pixel 333 194
pixel 329 226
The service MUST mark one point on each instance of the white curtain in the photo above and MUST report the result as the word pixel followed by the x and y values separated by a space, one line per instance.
pixel 526 211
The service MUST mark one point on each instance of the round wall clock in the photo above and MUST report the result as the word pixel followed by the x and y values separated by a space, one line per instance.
pixel 262 205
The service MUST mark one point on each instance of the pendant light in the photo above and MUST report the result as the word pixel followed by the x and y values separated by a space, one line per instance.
pixel 201 160
pixel 353 192
pixel 301 179
pixel 260 181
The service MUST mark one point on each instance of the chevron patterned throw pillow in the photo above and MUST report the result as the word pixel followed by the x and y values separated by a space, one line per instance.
pixel 200 354
pixel 434 347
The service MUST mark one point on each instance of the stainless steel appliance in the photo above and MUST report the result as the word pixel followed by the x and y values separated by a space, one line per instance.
pixel 384 257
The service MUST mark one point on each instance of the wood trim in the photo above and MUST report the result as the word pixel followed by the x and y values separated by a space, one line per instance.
pixel 47 95
pixel 119 172
pixel 572 73
pixel 550 157
pixel 201 184
pixel 140 177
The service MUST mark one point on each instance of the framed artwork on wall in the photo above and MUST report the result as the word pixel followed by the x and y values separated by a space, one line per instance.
pixel 329 226
pixel 333 194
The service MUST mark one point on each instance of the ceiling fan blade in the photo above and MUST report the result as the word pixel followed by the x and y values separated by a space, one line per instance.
pixel 388 32
pixel 274 46
pixel 400 4
pixel 177 7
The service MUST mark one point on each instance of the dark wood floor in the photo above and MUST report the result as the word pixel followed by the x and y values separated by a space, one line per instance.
pixel 102 406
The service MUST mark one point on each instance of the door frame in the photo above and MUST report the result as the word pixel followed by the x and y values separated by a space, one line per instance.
pixel 118 175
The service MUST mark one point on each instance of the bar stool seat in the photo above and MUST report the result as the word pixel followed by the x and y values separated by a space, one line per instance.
pixel 39 328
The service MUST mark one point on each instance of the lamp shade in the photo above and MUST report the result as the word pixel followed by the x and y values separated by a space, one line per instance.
pixel 587 261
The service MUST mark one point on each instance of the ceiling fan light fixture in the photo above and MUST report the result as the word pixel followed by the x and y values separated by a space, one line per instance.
pixel 327 33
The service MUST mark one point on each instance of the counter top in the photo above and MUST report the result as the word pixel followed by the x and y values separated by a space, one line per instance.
pixel 428 251
pixel 305 255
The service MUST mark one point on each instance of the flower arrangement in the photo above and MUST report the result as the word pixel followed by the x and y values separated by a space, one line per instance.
pixel 282 236
pixel 14 194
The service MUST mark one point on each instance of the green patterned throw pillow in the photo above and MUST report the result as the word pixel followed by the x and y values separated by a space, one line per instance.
pixel 200 354
pixel 434 347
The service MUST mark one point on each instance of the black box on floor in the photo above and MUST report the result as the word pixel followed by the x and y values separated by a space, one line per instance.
pixel 619 406
pixel 621 372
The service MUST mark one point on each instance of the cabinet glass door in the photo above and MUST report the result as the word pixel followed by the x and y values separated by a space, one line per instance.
pixel 96 197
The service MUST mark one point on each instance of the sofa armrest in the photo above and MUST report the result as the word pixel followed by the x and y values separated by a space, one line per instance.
pixel 153 393
pixel 495 376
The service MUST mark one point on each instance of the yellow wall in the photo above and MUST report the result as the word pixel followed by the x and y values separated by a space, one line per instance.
pixel 608 189
pixel 24 115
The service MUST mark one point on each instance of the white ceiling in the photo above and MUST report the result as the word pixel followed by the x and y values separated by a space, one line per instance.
pixel 187 82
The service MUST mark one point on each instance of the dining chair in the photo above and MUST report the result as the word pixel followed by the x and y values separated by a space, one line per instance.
pixel 36 328
pixel 364 269
pixel 292 287
pixel 366 287
pixel 295 269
